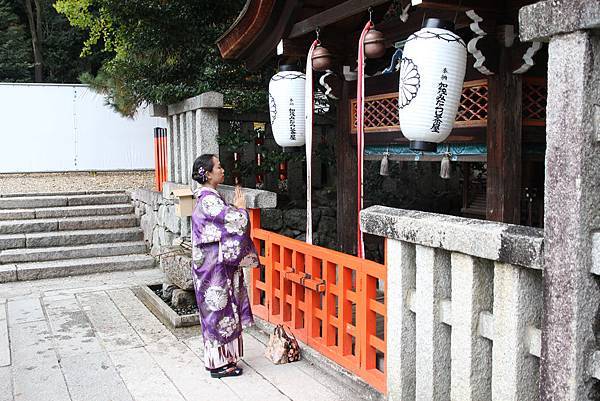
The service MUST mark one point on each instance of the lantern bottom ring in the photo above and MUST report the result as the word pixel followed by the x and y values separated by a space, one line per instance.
pixel 292 149
pixel 423 146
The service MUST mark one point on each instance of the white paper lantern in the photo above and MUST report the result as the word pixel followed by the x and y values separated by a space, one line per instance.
pixel 432 72
pixel 286 106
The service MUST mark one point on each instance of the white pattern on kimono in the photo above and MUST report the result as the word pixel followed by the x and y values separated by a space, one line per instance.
pixel 215 298
pixel 236 222
pixel 227 326
pixel 197 256
pixel 231 249
pixel 210 233
pixel 197 285
pixel 212 205
pixel 236 315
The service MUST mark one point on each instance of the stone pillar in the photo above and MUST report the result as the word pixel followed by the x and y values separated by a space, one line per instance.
pixel 572 191
pixel 472 293
pixel 400 363
pixel 517 298
pixel 433 339
pixel 194 126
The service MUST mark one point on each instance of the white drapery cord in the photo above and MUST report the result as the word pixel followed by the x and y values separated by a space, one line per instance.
pixel 308 113
pixel 360 146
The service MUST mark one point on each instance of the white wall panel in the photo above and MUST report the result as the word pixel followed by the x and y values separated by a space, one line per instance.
pixel 69 128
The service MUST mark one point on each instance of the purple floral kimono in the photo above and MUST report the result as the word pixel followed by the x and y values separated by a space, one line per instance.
pixel 221 248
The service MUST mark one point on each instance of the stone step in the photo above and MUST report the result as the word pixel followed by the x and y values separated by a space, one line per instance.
pixel 69 238
pixel 71 252
pixel 31 202
pixel 92 192
pixel 66 211
pixel 73 267
pixel 67 223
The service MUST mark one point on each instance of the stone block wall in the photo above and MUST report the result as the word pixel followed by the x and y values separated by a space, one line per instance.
pixel 291 222
pixel 160 224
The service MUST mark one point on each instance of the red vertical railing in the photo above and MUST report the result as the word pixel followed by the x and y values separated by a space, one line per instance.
pixel 160 157
pixel 333 302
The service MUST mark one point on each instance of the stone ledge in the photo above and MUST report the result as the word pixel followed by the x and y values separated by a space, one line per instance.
pixel 499 242
pixel 147 196
pixel 161 310
pixel 255 198
pixel 158 110
pixel 208 100
pixel 544 19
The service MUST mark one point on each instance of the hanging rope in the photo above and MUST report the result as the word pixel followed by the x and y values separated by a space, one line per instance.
pixel 309 108
pixel 360 146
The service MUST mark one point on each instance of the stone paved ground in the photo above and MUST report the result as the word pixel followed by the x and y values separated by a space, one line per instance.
pixel 89 338
pixel 75 181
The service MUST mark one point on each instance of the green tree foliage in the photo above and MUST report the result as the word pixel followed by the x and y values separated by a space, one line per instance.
pixel 57 43
pixel 161 51
pixel 15 48
pixel 62 49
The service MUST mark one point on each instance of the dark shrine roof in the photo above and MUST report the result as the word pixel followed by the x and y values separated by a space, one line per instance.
pixel 262 24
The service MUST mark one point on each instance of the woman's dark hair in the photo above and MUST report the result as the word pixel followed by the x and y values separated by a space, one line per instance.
pixel 206 162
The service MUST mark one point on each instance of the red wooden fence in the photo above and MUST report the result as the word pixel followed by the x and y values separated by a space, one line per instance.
pixel 331 301
pixel 160 157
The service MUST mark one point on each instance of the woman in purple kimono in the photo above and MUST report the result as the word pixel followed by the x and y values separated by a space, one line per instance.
pixel 221 247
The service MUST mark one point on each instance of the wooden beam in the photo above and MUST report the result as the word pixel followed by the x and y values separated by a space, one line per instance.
pixel 345 178
pixel 265 44
pixel 504 139
pixel 460 6
pixel 248 24
pixel 333 15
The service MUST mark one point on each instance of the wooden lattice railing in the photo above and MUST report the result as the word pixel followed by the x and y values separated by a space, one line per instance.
pixel 331 301
pixel 473 107
pixel 381 111
pixel 535 93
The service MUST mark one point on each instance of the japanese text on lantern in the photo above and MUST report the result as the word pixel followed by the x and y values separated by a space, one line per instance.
pixel 292 120
pixel 440 100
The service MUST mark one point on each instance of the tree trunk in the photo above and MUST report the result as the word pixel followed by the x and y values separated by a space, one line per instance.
pixel 35 27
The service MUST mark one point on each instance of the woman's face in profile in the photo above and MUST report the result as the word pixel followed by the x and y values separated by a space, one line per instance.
pixel 217 173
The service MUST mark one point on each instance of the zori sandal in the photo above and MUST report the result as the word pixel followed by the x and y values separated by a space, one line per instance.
pixel 226 371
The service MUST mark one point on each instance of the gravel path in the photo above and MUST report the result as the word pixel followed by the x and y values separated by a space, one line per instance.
pixel 75 181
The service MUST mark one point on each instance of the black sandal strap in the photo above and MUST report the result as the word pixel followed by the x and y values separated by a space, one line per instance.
pixel 226 371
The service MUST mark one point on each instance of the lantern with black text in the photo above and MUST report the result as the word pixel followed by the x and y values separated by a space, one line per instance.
pixel 432 72
pixel 286 106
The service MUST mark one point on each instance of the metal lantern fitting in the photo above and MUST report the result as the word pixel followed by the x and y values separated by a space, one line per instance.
pixel 374 44
pixel 286 106
pixel 432 72
pixel 322 59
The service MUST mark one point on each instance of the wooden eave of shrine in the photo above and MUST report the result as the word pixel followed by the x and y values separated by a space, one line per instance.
pixel 263 24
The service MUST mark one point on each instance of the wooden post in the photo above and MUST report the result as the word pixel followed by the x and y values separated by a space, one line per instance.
pixel 346 177
pixel 504 144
